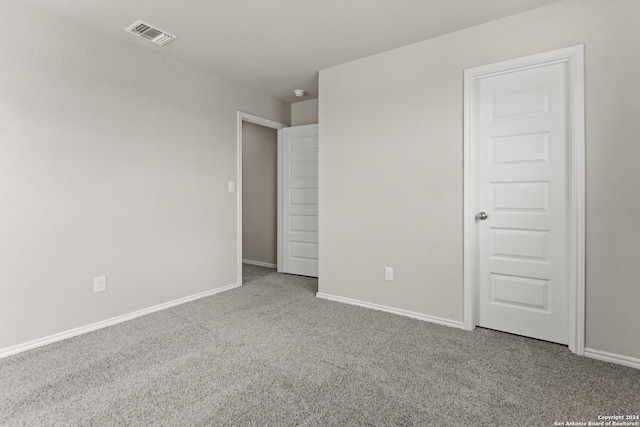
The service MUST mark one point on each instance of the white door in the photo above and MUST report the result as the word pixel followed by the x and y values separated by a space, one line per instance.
pixel 520 126
pixel 299 209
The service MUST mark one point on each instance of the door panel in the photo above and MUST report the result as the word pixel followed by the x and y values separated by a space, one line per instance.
pixel 520 125
pixel 532 148
pixel 299 189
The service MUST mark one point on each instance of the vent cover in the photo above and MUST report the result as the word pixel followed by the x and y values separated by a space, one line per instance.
pixel 151 33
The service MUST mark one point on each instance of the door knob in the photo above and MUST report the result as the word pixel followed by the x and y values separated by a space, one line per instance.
pixel 482 216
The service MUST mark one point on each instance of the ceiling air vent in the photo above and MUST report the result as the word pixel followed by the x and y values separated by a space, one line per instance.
pixel 151 33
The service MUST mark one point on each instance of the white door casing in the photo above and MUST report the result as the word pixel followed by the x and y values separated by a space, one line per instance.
pixel 298 248
pixel 524 167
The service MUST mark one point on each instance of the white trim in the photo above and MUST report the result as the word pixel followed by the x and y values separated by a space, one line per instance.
pixel 574 58
pixel 109 322
pixel 263 122
pixel 259 263
pixel 577 207
pixel 405 313
pixel 618 359
pixel 280 227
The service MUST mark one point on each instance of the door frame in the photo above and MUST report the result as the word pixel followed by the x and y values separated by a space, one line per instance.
pixel 246 117
pixel 574 58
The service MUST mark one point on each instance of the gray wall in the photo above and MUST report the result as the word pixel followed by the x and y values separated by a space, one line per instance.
pixel 391 164
pixel 113 161
pixel 304 113
pixel 259 193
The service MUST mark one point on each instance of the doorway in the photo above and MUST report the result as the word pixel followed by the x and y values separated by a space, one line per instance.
pixel 297 197
pixel 261 219
pixel 259 195
pixel 524 197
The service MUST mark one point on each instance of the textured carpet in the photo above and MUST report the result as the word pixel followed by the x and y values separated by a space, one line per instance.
pixel 270 353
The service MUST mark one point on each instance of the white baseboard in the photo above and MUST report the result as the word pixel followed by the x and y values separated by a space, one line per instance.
pixel 259 263
pixel 109 322
pixel 406 313
pixel 612 357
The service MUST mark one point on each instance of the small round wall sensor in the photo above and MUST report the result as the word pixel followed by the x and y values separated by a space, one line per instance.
pixel 299 92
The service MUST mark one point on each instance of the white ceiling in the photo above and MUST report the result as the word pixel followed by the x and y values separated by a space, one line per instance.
pixel 276 46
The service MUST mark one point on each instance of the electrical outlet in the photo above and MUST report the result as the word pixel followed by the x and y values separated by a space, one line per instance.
pixel 388 274
pixel 100 284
